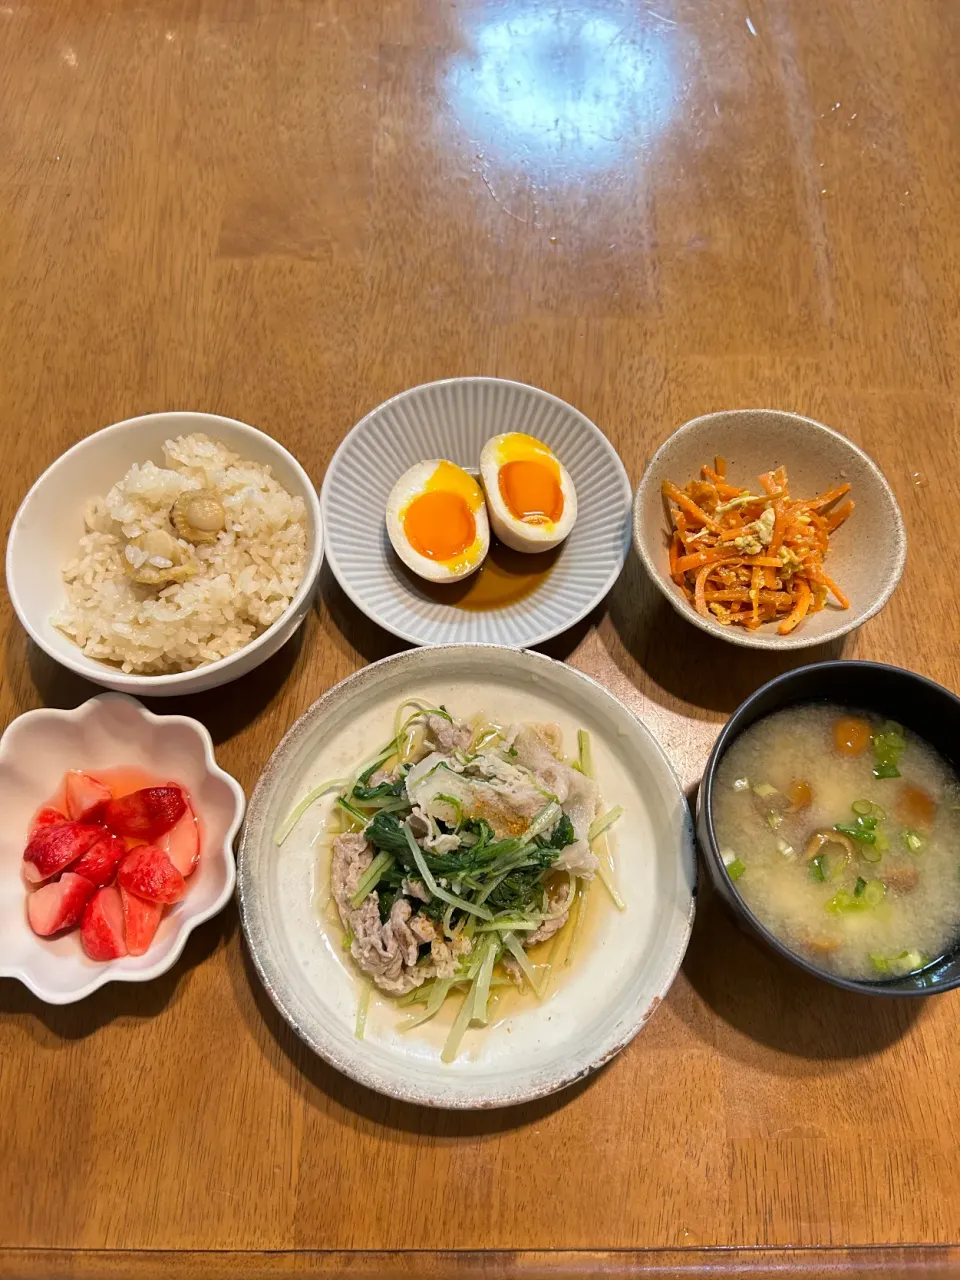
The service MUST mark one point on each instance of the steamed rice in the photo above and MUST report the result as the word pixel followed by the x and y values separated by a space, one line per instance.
pixel 245 580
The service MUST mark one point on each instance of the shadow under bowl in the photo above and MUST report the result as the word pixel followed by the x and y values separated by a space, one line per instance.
pixel 926 708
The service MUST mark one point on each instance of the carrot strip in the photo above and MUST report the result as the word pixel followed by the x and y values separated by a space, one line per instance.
pixel 799 610
pixel 839 515
pixel 755 591
pixel 698 592
pixel 689 506
pixel 842 600
pixel 723 583
pixel 827 498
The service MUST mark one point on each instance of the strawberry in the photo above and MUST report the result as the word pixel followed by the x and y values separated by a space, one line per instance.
pixel 181 844
pixel 85 796
pixel 100 861
pixel 54 847
pixel 140 921
pixel 149 873
pixel 58 905
pixel 45 817
pixel 145 814
pixel 102 929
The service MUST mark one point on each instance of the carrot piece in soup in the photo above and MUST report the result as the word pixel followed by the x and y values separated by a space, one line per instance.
pixel 851 735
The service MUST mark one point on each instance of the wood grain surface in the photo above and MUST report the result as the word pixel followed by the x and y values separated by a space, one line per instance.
pixel 287 210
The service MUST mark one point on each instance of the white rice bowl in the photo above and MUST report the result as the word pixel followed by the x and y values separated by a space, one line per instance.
pixel 244 581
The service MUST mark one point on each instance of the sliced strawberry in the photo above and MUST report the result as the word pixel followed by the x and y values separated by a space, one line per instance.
pixel 140 921
pixel 58 905
pixel 145 814
pixel 181 844
pixel 100 862
pixel 85 796
pixel 102 929
pixel 54 847
pixel 149 873
pixel 45 817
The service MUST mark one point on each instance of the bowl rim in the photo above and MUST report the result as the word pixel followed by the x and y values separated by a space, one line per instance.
pixel 540 637
pixel 710 848
pixel 190 922
pixel 264 956
pixel 748 639
pixel 132 681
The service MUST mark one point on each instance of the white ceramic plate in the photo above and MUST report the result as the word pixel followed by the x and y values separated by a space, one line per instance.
pixel 626 962
pixel 454 419
pixel 36 751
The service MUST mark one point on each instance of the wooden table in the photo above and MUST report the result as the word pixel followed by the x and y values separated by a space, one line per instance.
pixel 287 210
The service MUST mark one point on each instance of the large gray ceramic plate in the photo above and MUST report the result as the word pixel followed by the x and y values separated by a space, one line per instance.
pixel 625 963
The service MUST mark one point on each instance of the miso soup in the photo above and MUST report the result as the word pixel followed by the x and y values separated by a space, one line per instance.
pixel 841 832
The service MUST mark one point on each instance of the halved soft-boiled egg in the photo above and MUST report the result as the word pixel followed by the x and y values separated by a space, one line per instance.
pixel 437 521
pixel 530 496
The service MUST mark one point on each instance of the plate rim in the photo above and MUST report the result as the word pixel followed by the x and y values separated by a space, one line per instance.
pixel 454 1098
pixel 413 637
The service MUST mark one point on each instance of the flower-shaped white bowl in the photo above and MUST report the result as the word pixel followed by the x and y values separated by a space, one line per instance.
pixel 47 528
pixel 36 751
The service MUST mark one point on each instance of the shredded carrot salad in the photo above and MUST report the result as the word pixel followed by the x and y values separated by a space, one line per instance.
pixel 747 558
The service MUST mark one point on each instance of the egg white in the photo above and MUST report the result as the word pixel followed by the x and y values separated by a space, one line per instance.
pixel 411 485
pixel 516 533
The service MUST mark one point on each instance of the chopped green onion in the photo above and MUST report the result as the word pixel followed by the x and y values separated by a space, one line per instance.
pixel 586 753
pixel 335 784
pixel 362 1008
pixel 888 747
pixel 862 830
pixel 879 812
pixel 874 893
pixel 913 840
pixel 863 807
pixel 819 867
pixel 774 821
pixel 765 791
pixel 784 848
pixel 842 900
pixel 736 868
pixel 370 878
pixel 859 887
pixel 911 960
pixel 873 852
pixel 879 961
pixel 427 876
pixel 604 822
pixel 881 844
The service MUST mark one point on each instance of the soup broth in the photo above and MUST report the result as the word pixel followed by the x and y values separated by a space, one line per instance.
pixel 842 834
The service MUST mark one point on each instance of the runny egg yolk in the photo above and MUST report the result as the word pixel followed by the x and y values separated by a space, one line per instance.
pixel 530 487
pixel 440 522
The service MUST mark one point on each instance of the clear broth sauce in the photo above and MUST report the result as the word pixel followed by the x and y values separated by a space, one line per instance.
pixel 899 903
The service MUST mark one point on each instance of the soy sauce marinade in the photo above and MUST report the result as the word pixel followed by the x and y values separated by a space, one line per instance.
pixel 842 834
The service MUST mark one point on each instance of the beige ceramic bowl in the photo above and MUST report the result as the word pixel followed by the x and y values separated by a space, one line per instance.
pixel 867 553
